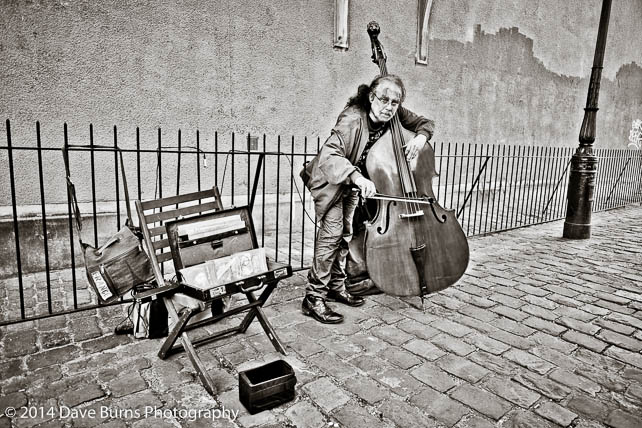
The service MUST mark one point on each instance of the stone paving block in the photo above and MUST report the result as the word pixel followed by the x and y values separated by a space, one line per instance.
pixel 391 334
pixel 52 356
pixel 333 366
pixel 615 326
pixel 628 357
pixel 620 340
pixel 511 339
pixel 545 326
pixel 604 362
pixel 81 394
pixel 452 328
pixel 606 378
pixel 475 324
pixel 525 418
pixel 555 413
pixel 404 414
pixel 474 421
pixel 513 314
pixel 417 329
pixel 10 368
pixel 493 362
pixel 511 391
pixel 468 299
pixel 539 312
pixel 584 340
pixel 434 377
pixel 370 365
pixel 487 344
pixel 367 389
pixel 370 344
pixel 557 358
pixel 343 347
pixel 541 384
pixel 479 313
pixel 513 327
pixel 506 301
pixel 326 394
pixel 612 297
pixel 625 319
pixel 581 326
pixel 564 303
pixel 401 358
pixel 462 368
pixel 127 384
pixel 572 380
pixel 588 406
pixel 355 416
pixel 529 361
pixel 14 400
pixel 531 292
pixel 447 302
pixel 399 381
pixel 621 419
pixel 613 307
pixel 484 402
pixel 424 349
pixel 595 310
pixel 104 343
pixel 19 343
pixel 564 291
pixel 439 406
pixel 304 414
pixel 451 344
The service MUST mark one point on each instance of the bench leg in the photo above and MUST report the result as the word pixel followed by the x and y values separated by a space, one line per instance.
pixel 177 331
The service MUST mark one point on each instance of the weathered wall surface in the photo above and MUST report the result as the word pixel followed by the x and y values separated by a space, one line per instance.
pixel 507 72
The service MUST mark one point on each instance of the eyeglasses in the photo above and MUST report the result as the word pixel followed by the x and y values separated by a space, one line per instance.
pixel 385 101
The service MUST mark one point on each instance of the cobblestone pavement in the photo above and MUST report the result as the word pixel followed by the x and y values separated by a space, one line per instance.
pixel 540 332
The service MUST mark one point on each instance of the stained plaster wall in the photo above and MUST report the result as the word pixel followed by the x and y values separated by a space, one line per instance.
pixel 506 72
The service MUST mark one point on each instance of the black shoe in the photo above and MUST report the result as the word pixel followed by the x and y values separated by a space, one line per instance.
pixel 345 298
pixel 316 308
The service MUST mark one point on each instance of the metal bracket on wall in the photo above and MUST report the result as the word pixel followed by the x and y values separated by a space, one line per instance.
pixel 341 23
pixel 423 15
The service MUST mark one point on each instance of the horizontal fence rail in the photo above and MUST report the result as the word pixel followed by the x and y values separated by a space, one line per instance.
pixel 491 188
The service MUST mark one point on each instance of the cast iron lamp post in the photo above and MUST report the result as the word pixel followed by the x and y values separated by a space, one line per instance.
pixel 584 163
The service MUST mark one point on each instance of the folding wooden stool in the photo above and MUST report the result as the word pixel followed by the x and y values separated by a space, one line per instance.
pixel 190 307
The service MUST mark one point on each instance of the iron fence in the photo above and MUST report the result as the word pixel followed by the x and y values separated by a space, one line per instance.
pixel 491 188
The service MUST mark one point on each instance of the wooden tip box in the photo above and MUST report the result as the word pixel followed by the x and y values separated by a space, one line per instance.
pixel 266 386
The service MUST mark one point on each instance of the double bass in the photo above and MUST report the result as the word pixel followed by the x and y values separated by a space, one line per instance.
pixel 412 246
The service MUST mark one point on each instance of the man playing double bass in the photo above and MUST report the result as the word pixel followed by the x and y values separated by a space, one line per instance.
pixel 333 174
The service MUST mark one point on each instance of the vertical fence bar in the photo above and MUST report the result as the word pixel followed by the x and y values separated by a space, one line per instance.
pixel 479 179
pixel 116 178
pixel 198 161
pixel 178 164
pixel 315 211
pixel 249 162
pixel 483 191
pixel 303 210
pixel 452 185
pixel 509 185
pixel 496 192
pixel 472 188
pixel 44 217
pixel 93 183
pixel 278 193
pixel 159 171
pixel 441 160
pixel 544 177
pixel 216 159
pixel 446 173
pixel 532 178
pixel 524 178
pixel 463 208
pixel 491 191
pixel 500 194
pixel 461 170
pixel 232 181
pixel 291 201
pixel 263 197
pixel 139 186
pixel 71 231
pixel 518 185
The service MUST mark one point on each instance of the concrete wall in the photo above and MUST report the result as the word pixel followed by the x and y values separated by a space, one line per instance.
pixel 506 71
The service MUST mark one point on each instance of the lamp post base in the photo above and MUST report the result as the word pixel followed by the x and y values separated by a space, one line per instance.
pixel 581 183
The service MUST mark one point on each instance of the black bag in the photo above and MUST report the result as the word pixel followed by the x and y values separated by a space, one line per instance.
pixel 119 264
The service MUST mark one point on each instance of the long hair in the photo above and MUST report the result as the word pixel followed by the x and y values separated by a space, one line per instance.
pixel 362 97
